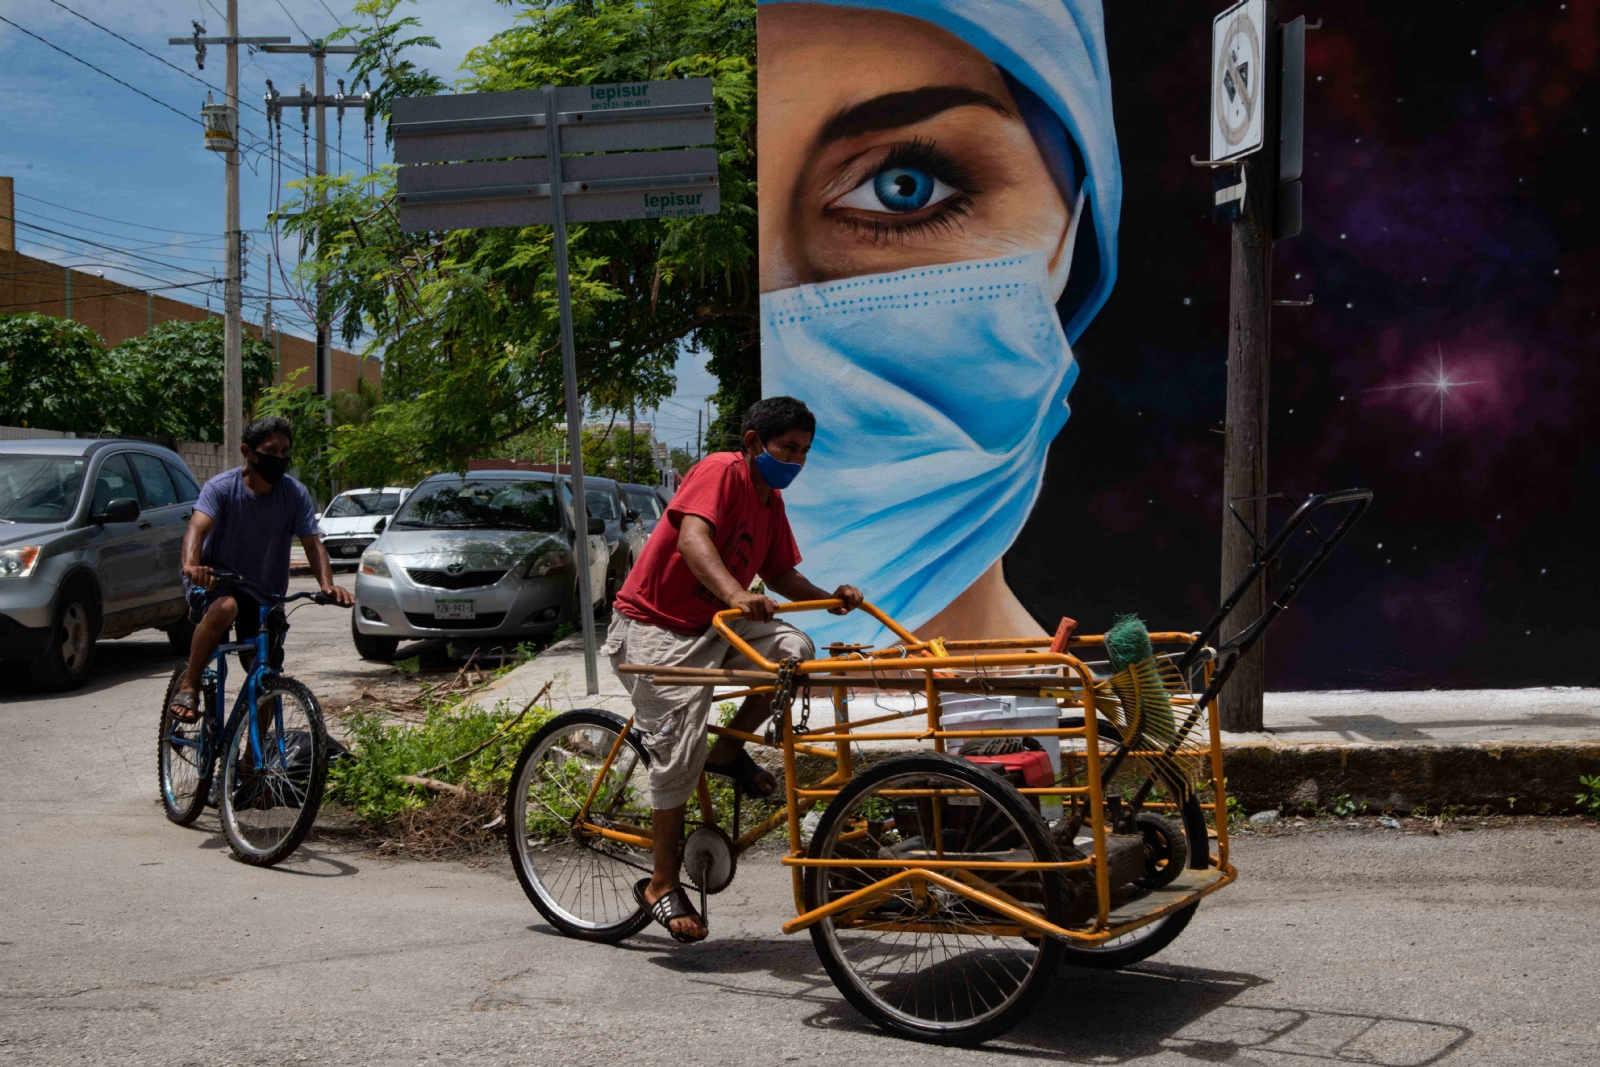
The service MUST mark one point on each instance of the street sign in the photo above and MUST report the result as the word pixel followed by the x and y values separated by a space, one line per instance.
pixel 598 188
pixel 594 118
pixel 500 159
pixel 1238 78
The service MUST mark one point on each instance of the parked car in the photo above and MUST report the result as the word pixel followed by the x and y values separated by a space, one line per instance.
pixel 487 555
pixel 644 500
pixel 625 533
pixel 91 546
pixel 353 519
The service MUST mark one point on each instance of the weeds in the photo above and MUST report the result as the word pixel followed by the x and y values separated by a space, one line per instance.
pixel 1344 807
pixel 1589 799
pixel 382 751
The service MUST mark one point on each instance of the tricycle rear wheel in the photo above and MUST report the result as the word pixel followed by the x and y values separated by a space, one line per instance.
pixel 923 961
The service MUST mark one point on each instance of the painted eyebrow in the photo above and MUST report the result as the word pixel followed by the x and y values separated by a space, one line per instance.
pixel 905 108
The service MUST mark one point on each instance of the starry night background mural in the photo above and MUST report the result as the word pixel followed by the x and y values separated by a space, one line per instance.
pixel 1449 360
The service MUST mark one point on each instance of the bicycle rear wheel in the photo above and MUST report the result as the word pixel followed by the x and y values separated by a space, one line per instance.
pixel 184 759
pixel 920 959
pixel 581 881
pixel 272 788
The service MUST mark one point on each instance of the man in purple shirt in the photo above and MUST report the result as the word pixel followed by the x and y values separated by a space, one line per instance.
pixel 243 523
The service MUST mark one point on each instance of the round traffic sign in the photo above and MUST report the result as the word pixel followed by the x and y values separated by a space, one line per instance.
pixel 1238 79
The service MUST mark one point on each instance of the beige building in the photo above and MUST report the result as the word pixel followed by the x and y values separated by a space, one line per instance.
pixel 117 312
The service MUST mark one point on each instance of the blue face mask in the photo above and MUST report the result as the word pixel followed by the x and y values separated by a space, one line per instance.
pixel 774 471
pixel 938 392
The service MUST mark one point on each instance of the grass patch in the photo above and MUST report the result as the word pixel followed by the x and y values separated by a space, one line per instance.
pixel 381 751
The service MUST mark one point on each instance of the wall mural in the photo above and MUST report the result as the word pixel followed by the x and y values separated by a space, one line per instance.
pixel 974 208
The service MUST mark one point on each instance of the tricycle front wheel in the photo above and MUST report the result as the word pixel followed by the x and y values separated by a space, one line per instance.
pixel 919 958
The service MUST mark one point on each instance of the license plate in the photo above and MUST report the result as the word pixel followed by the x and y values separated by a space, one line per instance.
pixel 349 550
pixel 455 609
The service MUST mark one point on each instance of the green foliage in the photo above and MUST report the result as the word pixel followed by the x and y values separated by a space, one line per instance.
pixel 1589 799
pixel 468 320
pixel 307 413
pixel 50 374
pixel 382 751
pixel 1344 807
pixel 55 374
pixel 167 382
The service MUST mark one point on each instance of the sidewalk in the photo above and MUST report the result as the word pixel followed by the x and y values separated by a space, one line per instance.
pixel 1509 750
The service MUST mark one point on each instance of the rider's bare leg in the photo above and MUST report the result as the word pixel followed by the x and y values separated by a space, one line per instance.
pixel 667 824
pixel 208 634
pixel 756 710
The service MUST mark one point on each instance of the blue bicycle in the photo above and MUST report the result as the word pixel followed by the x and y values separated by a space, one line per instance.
pixel 273 747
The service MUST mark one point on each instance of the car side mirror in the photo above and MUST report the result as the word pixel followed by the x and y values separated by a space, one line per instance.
pixel 319 516
pixel 597 526
pixel 122 509
pixel 633 514
pixel 379 526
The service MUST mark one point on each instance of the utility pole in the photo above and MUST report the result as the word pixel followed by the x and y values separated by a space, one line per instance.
pixel 1256 186
pixel 222 135
pixel 697 417
pixel 319 99
pixel 630 439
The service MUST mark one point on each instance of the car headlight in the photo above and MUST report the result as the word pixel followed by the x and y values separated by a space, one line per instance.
pixel 373 563
pixel 549 563
pixel 18 562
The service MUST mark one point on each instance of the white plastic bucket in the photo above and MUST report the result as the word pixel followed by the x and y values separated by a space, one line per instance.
pixel 1006 713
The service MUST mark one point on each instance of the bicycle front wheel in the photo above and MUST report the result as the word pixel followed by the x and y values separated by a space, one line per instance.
pixel 184 758
pixel 272 783
pixel 579 878
pixel 918 957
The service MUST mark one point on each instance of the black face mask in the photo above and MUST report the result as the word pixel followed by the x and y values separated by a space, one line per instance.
pixel 271 468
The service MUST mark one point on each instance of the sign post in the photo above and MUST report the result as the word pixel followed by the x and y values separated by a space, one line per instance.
pixel 497 159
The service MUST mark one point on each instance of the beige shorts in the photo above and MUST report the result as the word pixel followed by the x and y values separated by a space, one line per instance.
pixel 672 719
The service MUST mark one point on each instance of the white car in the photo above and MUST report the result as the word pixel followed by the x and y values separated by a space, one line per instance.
pixel 353 520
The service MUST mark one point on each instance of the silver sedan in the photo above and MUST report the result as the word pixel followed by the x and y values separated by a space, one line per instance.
pixel 484 556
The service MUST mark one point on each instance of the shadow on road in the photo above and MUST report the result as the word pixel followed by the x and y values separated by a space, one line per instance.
pixel 1109 1016
pixel 143 655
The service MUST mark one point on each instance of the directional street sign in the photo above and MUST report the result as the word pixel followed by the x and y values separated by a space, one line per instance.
pixel 1238 77
pixel 593 118
pixel 546 157
pixel 598 188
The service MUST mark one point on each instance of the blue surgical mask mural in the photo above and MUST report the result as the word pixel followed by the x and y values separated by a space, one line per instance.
pixel 938 221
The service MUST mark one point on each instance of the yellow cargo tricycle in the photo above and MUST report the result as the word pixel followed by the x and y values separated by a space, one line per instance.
pixel 941 890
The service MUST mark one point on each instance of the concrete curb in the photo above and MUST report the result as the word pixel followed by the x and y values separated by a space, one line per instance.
pixel 1527 777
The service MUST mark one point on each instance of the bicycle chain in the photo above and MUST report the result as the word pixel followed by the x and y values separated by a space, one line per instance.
pixel 783 699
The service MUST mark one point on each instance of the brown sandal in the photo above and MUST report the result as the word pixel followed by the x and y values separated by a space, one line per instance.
pixel 185 707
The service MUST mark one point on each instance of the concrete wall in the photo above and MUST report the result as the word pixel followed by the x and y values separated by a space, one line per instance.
pixel 206 459
pixel 117 312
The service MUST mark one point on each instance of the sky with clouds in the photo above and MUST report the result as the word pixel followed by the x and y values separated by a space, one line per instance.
pixel 111 180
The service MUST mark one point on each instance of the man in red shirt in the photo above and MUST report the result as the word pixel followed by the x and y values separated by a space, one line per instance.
pixel 725 526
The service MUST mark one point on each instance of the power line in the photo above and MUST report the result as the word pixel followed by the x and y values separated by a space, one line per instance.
pixel 100 244
pixel 106 296
pixel 187 74
pixel 336 20
pixel 297 25
pixel 97 70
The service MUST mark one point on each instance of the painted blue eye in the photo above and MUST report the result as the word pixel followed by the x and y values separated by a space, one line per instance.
pixel 903 188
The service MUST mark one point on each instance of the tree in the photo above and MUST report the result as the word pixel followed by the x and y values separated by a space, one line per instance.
pixel 468 319
pixel 167 382
pixel 50 374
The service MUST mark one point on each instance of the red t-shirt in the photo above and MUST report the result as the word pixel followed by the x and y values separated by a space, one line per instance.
pixel 751 539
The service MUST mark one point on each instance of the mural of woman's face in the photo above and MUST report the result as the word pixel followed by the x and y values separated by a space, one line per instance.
pixel 886 143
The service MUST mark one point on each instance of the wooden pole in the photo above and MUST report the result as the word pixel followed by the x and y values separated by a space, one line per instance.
pixel 1244 471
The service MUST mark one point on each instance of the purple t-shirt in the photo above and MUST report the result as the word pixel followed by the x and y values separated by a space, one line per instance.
pixel 251 535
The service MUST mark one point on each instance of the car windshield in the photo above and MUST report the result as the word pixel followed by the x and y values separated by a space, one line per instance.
pixel 601 504
pixel 39 488
pixel 645 502
pixel 361 505
pixel 484 504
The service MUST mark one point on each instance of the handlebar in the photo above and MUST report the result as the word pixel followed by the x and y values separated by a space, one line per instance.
pixel 228 578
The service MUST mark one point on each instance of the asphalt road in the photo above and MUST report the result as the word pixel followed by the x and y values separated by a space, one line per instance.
pixel 126 940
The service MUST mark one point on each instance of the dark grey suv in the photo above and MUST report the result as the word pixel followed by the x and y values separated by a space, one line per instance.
pixel 91 546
